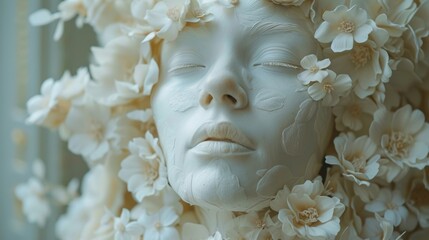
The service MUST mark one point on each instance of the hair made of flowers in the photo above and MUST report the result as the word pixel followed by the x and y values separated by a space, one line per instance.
pixel 372 72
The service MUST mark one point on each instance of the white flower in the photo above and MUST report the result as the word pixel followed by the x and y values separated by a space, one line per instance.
pixel 144 170
pixel 250 226
pixel 160 225
pixel 168 18
pixel 330 89
pixel 65 195
pixel 313 69
pixel 356 158
pixel 354 113
pixel 45 109
pixel 390 171
pixel 343 26
pixel 417 200
pixel 390 205
pixel 306 214
pixel 153 204
pixel 101 191
pixel 102 14
pixel 288 2
pixel 378 228
pixel 119 75
pixel 51 107
pixel 68 9
pixel 126 230
pixel 403 136
pixel 89 127
pixel 35 204
pixel 367 64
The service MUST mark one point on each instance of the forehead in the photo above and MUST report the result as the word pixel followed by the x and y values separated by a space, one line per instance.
pixel 250 23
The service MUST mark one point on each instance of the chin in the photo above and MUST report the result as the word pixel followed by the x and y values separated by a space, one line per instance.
pixel 216 187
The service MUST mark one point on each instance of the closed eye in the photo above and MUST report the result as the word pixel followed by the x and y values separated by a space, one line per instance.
pixel 186 67
pixel 276 64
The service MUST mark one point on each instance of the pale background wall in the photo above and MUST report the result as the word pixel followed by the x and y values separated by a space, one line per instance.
pixel 28 55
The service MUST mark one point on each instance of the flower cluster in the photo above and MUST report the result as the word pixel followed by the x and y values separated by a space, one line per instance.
pixel 371 70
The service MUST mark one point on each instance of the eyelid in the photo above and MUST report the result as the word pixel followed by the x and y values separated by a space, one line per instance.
pixel 277 64
pixel 184 66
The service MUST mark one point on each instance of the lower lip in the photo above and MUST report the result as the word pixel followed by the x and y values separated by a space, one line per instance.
pixel 220 147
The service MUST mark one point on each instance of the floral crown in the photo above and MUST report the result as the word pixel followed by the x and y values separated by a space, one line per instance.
pixel 372 72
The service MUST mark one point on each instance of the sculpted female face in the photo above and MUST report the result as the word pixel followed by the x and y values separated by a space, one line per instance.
pixel 232 123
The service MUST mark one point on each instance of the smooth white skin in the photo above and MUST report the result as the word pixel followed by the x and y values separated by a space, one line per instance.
pixel 222 72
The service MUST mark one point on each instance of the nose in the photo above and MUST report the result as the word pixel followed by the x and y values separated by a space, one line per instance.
pixel 223 87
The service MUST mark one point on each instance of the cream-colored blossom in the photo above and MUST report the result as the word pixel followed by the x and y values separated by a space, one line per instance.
pixel 403 136
pixel 252 226
pixel 389 204
pixel 33 195
pixel 153 204
pixel 417 200
pixel 160 225
pixel 167 18
pixel 343 26
pixel 90 127
pixel 313 69
pixel 354 113
pixel 367 64
pixel 126 229
pixel 308 214
pixel 68 9
pixel 120 76
pixel 356 157
pixel 51 107
pixel 144 170
pixel 66 195
pixel 288 2
pixel 377 228
pixel 390 171
pixel 101 190
pixel 330 89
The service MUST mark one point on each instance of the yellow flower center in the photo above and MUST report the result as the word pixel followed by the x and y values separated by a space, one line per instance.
pixel 359 163
pixel 174 14
pixel 308 216
pixel 391 205
pixel 328 87
pixel 234 2
pixel 158 225
pixel 198 12
pixel 399 143
pixel 361 55
pixel 346 26
pixel 150 172
pixel 97 130
pixel 314 69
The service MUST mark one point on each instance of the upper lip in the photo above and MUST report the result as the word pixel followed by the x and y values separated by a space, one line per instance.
pixel 223 131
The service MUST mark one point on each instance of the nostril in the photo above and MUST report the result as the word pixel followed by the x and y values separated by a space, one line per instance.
pixel 231 98
pixel 206 100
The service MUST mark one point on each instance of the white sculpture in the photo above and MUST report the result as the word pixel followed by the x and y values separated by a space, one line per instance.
pixel 248 99
pixel 232 122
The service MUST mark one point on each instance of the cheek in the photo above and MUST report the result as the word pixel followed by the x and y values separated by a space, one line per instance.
pixel 268 100
pixel 183 100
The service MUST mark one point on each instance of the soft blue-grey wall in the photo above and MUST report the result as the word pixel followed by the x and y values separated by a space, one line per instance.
pixel 28 55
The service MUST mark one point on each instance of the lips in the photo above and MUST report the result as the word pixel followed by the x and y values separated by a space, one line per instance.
pixel 220 138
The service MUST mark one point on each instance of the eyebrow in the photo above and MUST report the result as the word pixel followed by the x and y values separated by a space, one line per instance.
pixel 262 28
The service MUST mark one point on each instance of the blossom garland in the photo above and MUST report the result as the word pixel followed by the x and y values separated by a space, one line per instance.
pixel 373 74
